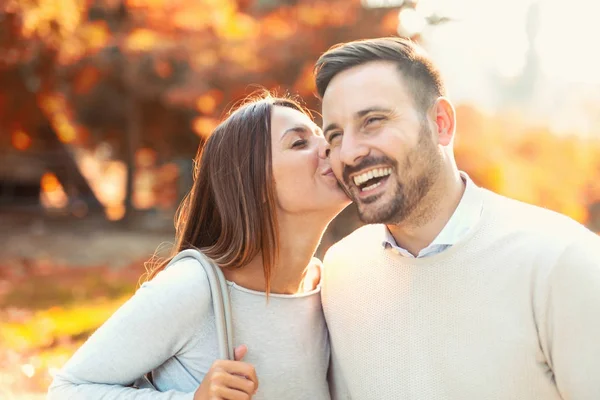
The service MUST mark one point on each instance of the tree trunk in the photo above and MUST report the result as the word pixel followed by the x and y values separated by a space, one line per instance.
pixel 64 166
pixel 132 143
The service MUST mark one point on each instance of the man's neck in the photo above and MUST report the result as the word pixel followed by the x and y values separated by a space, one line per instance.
pixel 429 219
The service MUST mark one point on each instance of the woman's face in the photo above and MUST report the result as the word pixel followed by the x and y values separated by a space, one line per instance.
pixel 304 181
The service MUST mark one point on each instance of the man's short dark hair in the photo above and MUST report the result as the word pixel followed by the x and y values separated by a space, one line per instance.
pixel 422 77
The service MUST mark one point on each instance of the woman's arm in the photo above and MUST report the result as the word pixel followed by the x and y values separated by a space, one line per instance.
pixel 151 327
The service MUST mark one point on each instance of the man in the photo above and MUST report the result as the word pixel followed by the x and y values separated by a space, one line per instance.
pixel 450 291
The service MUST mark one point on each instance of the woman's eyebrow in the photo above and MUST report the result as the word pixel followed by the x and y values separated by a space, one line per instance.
pixel 295 129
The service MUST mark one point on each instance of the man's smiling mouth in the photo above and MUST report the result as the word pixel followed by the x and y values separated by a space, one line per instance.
pixel 370 179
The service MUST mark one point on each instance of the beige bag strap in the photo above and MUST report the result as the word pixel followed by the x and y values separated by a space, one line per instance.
pixel 220 297
pixel 221 305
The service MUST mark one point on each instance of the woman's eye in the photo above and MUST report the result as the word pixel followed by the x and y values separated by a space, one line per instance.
pixel 299 143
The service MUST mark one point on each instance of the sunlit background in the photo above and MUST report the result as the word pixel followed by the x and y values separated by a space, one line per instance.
pixel 103 105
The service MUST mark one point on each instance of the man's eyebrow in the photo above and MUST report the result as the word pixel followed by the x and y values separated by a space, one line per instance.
pixel 362 113
pixel 330 127
pixel 357 115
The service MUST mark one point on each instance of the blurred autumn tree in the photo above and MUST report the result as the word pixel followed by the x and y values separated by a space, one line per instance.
pixel 156 74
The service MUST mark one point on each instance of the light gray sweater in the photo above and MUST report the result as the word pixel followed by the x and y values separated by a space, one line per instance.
pixel 168 327
pixel 509 312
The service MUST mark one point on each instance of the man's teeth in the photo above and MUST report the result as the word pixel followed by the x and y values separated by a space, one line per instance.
pixel 374 173
pixel 370 187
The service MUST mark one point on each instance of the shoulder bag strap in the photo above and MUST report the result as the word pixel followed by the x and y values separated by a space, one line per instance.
pixel 220 297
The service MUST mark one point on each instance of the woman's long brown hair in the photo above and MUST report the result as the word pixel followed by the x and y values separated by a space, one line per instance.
pixel 229 214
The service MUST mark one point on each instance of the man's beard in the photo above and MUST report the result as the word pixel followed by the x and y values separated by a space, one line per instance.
pixel 407 195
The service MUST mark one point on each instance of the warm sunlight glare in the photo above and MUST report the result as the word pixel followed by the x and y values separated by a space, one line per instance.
pixel 535 55
pixel 48 16
pixel 65 130
pixel 411 22
pixel 141 40
pixel 143 191
pixel 53 194
pixel 206 103
pixel 28 370
pixel 146 3
pixel 204 126
pixel 478 31
pixel 497 34
pixel 107 179
pixel 567 40
pixel 95 34
pixel 111 187
pixel 20 140
pixel 115 213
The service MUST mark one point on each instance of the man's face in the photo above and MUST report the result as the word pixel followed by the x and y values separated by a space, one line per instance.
pixel 383 149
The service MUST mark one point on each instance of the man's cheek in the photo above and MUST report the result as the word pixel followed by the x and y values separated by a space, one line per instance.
pixel 337 170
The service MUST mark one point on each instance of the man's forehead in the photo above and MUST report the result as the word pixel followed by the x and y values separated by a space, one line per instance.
pixel 360 104
pixel 372 73
pixel 353 109
pixel 361 88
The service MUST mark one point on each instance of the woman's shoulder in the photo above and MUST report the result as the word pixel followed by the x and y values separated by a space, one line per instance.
pixel 185 272
pixel 183 282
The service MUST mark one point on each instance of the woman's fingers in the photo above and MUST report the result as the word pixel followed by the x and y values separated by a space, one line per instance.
pixel 244 370
pixel 232 394
pixel 229 380
pixel 223 380
pixel 240 352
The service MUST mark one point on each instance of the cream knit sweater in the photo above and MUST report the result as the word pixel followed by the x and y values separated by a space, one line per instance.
pixel 510 312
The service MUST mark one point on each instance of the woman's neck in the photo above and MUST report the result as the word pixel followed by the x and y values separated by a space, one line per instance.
pixel 293 273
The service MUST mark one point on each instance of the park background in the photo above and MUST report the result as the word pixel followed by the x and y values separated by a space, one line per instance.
pixel 104 103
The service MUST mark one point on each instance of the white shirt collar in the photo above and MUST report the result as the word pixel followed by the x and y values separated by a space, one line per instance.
pixel 465 216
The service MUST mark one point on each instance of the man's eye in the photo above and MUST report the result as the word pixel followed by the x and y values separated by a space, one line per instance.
pixel 334 136
pixel 373 120
pixel 299 143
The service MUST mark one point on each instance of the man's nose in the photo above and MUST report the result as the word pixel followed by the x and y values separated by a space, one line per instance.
pixel 352 151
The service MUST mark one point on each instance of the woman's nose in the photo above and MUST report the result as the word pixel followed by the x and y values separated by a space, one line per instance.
pixel 324 149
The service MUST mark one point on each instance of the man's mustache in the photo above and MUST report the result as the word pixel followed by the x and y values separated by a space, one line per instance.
pixel 348 170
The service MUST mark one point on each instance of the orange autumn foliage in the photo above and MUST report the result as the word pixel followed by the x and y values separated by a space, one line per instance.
pixel 204 55
pixel 20 140
pixel 530 164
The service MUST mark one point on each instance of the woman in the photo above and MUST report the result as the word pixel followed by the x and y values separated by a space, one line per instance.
pixel 262 198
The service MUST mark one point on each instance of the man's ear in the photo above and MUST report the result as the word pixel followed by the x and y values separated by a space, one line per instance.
pixel 444 117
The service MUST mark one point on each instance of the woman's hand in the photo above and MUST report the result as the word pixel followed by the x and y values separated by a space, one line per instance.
pixel 229 380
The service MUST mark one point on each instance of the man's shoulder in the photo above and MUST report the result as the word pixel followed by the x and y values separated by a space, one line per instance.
pixel 533 220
